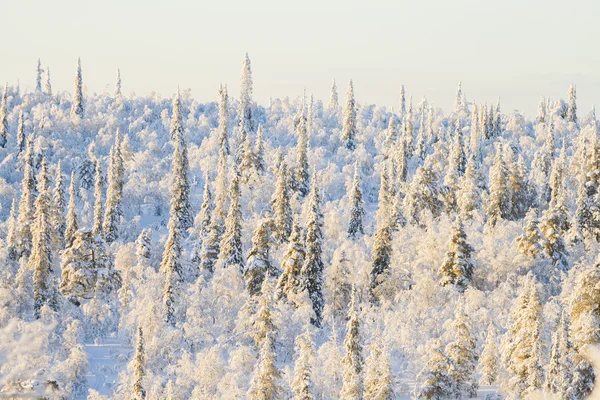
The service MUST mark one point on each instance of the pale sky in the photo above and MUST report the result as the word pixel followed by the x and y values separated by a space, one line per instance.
pixel 517 50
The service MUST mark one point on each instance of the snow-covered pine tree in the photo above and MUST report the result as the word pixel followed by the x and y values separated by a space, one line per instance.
pixel 312 269
pixel 402 108
pixel 381 254
pixel 435 381
pixel 171 266
pixel 202 221
pixel 458 99
pixel 498 205
pixel 3 118
pixel 408 130
pixel 231 245
pixel 72 223
pixel 522 352
pixel 118 94
pixel 26 203
pixel 77 106
pixel 302 385
pixel 48 85
pixel 114 192
pixel 180 169
pixel 463 353
pixel 11 236
pixel 497 121
pixel 40 260
pixel 223 130
pixel 352 388
pixel 245 115
pixel 247 163
pixel 541 113
pixel 357 211
pixel 265 382
pixel 212 244
pixel 139 366
pixel 552 226
pixel 584 307
pixel 378 376
pixel 38 80
pixel 302 175
pixel 475 137
pixel 338 285
pixel 530 242
pixel 333 98
pixel 400 160
pixel 289 283
pixel 57 217
pixel 458 159
pixel 281 207
pixel 98 212
pixel 259 265
pixel 488 361
pixel 559 378
pixel 349 128
pixel 259 152
pixel 457 268
pixel 468 196
pixel 21 141
pixel 572 108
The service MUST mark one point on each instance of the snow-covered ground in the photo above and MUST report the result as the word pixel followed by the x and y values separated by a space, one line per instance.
pixel 106 360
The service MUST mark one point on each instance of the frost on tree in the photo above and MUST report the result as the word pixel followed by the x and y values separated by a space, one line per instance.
pixel 289 283
pixel 457 268
pixel 435 382
pixel 357 211
pixel 488 360
pixel 352 388
pixel 302 385
pixel 230 254
pixel 463 353
pixel 259 265
pixel 281 207
pixel 3 118
pixel 349 128
pixel 77 105
pixel 313 268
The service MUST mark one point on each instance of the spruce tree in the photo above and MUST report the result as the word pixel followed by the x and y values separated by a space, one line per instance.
pixel 357 211
pixel 559 378
pixel 333 98
pixel 118 94
pixel 72 224
pixel 265 382
pixel 212 243
pixel 349 128
pixel 171 266
pixel 40 260
pixel 436 382
pixel 468 196
pixel 488 361
pixel 457 268
pixel 379 379
pixel 402 108
pixel 302 385
pixel 522 344
pixel 231 245
pixel 530 242
pixel 77 106
pixel 21 141
pixel 584 308
pixel 48 86
pixel 114 192
pixel 289 283
pixel 259 265
pixel 139 366
pixel 352 388
pixel 97 229
pixel 463 353
pixel 381 254
pixel 338 285
pixel 281 207
pixel 245 115
pixel 572 108
pixel 458 99
pixel 57 218
pixel 541 113
pixel 11 237
pixel 259 152
pixel 408 131
pixel 26 203
pixel 180 169
pixel 38 80
pixel 458 158
pixel 302 175
pixel 312 269
pixel 498 205
pixel 203 220
pixel 3 118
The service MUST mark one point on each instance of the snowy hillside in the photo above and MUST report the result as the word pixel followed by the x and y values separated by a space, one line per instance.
pixel 167 249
